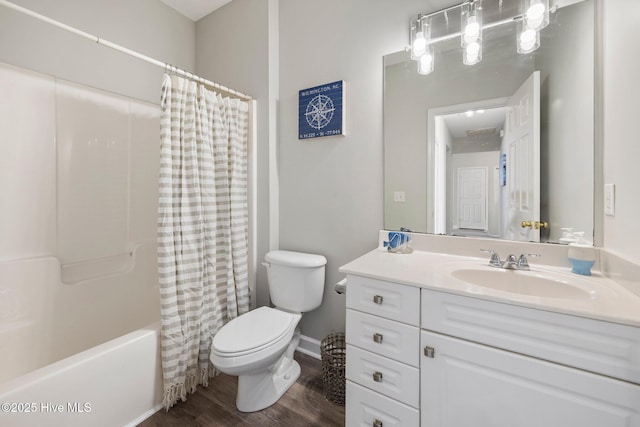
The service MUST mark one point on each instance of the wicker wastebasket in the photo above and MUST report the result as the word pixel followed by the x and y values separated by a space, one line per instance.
pixel 333 352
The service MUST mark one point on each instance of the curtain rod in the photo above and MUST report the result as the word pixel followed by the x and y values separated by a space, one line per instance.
pixel 98 40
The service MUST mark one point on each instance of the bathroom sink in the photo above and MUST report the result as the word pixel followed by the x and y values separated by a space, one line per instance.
pixel 529 283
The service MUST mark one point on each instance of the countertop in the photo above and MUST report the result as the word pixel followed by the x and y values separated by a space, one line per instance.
pixel 604 298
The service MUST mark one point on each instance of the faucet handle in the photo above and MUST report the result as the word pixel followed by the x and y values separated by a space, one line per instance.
pixel 523 264
pixel 495 258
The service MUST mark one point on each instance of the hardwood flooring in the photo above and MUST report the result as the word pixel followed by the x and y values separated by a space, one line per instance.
pixel 302 405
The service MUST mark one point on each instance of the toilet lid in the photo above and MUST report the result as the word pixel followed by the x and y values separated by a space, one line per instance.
pixel 252 330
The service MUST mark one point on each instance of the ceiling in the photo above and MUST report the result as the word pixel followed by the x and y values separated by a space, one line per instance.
pixel 460 123
pixel 195 9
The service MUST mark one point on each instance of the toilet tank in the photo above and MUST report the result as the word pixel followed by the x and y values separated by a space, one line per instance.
pixel 296 280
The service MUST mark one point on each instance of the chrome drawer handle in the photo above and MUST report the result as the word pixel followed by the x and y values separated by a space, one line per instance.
pixel 377 423
pixel 377 377
pixel 377 338
pixel 377 299
pixel 430 352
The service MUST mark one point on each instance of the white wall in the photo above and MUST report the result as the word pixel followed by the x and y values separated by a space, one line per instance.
pixel 621 113
pixel 147 26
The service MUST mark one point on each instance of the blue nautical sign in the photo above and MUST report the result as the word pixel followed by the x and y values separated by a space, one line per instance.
pixel 321 111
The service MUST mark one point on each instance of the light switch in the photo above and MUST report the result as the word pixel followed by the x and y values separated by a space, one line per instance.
pixel 610 199
pixel 398 196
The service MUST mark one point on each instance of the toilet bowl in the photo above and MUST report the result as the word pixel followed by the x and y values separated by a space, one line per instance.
pixel 258 346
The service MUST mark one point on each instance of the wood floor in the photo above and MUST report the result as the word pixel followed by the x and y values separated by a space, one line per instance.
pixel 302 405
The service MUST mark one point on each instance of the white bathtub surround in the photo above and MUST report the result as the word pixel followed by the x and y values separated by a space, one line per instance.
pixel 202 228
pixel 70 259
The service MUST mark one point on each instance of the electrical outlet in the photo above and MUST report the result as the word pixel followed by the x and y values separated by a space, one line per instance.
pixel 398 196
pixel 610 199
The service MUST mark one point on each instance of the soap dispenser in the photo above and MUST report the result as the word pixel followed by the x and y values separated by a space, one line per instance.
pixel 581 255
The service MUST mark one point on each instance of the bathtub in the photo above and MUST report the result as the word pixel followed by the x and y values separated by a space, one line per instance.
pixel 81 354
pixel 118 383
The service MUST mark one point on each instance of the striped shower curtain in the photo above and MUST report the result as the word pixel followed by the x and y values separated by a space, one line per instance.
pixel 202 228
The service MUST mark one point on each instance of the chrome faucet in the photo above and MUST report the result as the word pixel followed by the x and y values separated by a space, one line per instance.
pixel 511 262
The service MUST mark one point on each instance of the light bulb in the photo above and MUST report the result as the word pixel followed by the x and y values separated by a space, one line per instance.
pixel 471 30
pixel 420 36
pixel 425 64
pixel 471 23
pixel 419 45
pixel 528 39
pixel 537 13
pixel 472 53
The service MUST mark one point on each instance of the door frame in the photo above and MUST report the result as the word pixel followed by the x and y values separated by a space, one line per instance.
pixel 436 211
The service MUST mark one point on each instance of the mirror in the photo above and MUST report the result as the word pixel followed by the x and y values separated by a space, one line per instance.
pixel 449 167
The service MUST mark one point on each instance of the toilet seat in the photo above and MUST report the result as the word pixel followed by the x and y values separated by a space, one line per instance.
pixel 253 331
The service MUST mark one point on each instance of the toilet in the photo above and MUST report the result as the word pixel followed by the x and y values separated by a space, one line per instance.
pixel 258 346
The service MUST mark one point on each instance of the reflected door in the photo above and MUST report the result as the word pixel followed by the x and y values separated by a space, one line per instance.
pixel 521 194
pixel 472 198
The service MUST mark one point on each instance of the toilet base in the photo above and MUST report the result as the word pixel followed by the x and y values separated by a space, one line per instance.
pixel 262 389
pixel 259 391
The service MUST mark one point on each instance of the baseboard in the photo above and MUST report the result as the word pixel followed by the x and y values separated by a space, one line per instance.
pixel 309 346
pixel 144 416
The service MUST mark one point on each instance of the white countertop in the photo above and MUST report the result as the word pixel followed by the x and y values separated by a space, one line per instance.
pixel 606 300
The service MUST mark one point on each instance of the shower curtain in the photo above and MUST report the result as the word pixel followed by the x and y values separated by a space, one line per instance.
pixel 202 228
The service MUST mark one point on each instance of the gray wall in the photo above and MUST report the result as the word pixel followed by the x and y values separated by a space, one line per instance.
pixel 236 46
pixel 621 150
pixel 147 26
pixel 331 188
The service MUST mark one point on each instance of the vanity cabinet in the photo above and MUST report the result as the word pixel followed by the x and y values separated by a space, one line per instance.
pixel 495 364
pixel 383 345
pixel 423 357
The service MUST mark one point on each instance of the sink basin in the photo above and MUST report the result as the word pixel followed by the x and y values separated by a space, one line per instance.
pixel 529 283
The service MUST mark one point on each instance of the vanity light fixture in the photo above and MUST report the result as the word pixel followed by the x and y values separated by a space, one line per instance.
pixel 533 17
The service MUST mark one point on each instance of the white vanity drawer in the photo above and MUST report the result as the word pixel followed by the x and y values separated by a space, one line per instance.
pixel 367 408
pixel 602 347
pixel 391 339
pixel 390 300
pixel 383 375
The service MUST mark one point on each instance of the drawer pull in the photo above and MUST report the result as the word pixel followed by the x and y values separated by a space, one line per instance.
pixel 377 299
pixel 377 377
pixel 377 338
pixel 377 423
pixel 429 352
